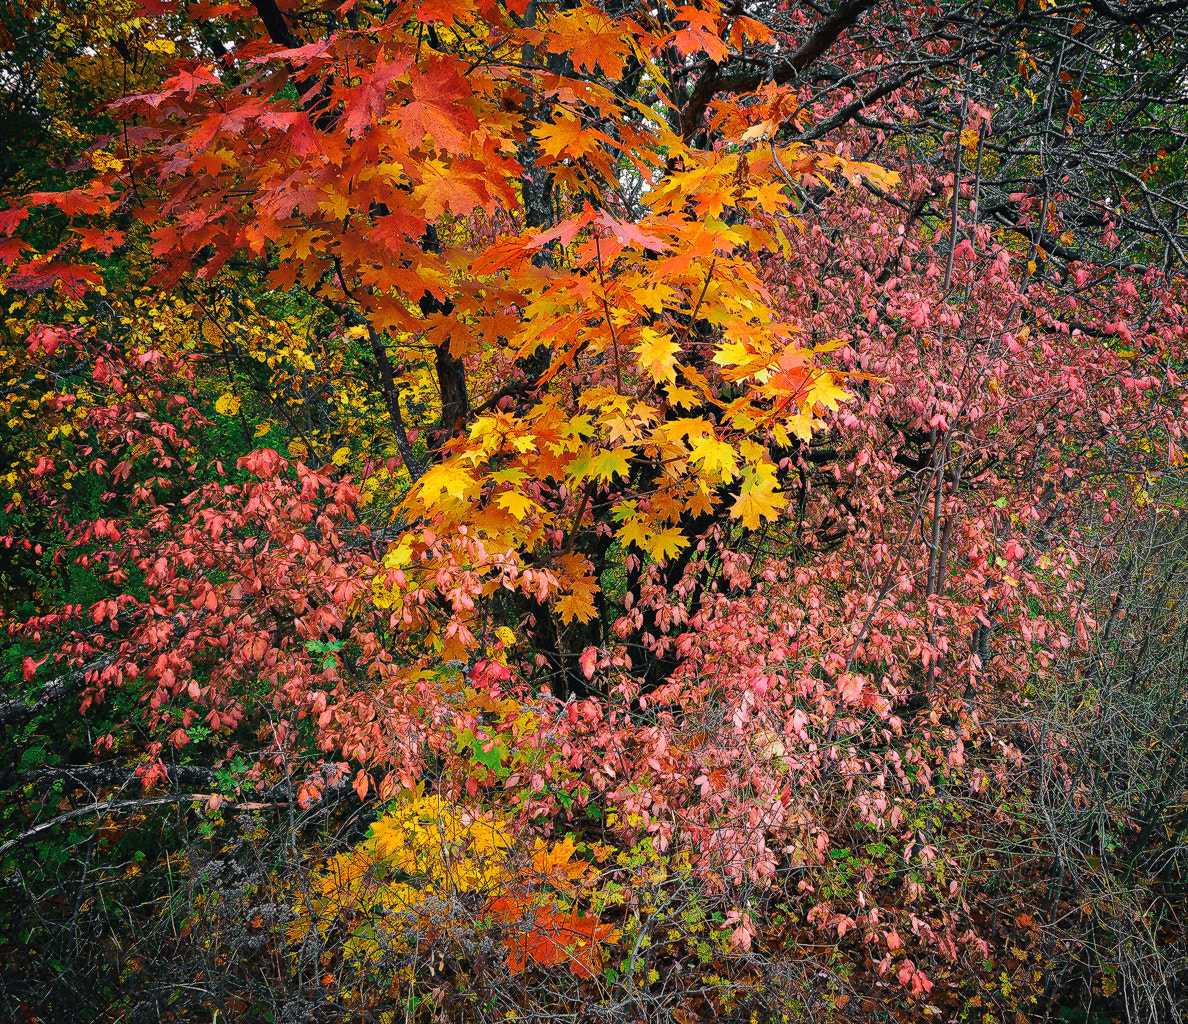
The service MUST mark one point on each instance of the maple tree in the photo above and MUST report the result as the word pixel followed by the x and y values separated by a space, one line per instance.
pixel 674 485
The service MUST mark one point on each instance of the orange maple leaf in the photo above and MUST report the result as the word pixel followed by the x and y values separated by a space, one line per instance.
pixel 439 109
pixel 591 39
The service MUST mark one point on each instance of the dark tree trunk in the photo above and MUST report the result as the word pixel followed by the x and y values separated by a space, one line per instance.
pixel 451 371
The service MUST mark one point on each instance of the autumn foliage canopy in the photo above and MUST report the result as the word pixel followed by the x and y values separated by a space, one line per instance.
pixel 593 509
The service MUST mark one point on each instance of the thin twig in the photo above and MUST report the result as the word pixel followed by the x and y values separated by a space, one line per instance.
pixel 110 806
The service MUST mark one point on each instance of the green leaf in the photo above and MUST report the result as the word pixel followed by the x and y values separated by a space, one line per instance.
pixel 32 757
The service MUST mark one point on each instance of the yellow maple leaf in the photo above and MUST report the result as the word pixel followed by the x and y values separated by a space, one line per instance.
pixel 656 353
pixel 824 390
pixel 601 465
pixel 445 479
pixel 759 499
pixel 717 458
pixel 656 295
pixel 518 504
pixel 770 195
pixel 740 359
pixel 508 475
pixel 667 543
pixel 400 554
pixel 801 425
pixel 633 532
pixel 685 398
pixel 523 443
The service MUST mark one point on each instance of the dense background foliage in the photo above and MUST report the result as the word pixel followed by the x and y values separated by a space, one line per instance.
pixel 593 511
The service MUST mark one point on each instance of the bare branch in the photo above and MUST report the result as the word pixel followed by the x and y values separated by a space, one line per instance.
pixel 735 79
